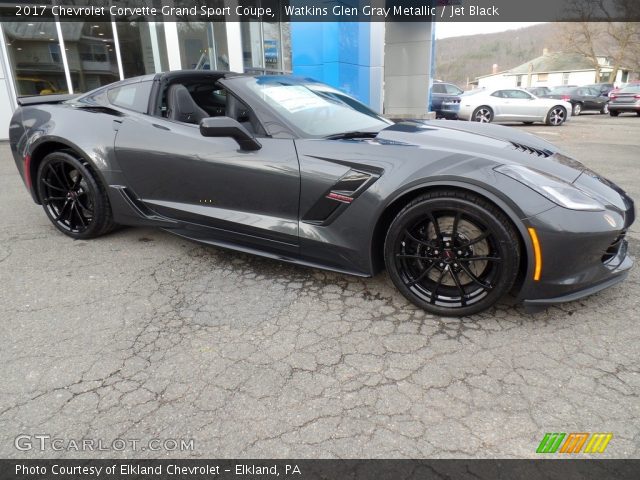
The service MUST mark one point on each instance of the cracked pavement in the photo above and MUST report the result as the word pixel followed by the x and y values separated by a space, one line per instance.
pixel 144 335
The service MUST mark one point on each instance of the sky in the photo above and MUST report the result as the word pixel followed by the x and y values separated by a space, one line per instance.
pixel 457 29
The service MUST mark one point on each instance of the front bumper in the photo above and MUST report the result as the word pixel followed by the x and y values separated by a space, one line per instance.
pixel 621 264
pixel 582 253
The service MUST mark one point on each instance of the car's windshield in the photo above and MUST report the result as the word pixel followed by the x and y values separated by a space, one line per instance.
pixel 315 108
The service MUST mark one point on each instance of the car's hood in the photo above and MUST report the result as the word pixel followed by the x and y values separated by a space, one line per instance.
pixel 504 145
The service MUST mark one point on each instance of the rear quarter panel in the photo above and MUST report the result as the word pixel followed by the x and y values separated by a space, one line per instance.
pixel 89 132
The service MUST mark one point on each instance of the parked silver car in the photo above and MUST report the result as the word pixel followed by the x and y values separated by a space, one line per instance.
pixel 627 99
pixel 512 105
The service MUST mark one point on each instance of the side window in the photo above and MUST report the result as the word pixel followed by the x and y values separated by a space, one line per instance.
pixel 582 91
pixel 498 93
pixel 520 94
pixel 134 96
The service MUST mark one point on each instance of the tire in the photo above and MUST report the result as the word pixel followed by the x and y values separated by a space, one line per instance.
pixel 73 197
pixel 577 109
pixel 615 113
pixel 605 109
pixel 638 113
pixel 482 114
pixel 556 116
pixel 463 266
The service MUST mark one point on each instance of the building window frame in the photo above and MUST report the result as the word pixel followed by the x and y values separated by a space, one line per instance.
pixel 8 72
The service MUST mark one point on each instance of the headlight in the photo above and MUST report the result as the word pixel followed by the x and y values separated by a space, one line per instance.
pixel 555 189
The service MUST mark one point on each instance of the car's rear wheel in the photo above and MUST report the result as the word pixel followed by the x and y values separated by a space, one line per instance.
pixel 605 109
pixel 615 113
pixel 577 109
pixel 452 253
pixel 556 116
pixel 72 196
pixel 482 114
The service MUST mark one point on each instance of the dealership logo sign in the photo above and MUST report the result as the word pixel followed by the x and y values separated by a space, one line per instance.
pixel 573 442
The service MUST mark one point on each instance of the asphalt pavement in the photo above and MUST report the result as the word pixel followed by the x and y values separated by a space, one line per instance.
pixel 146 338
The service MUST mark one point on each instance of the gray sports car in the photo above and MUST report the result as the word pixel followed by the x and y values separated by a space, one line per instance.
pixel 460 214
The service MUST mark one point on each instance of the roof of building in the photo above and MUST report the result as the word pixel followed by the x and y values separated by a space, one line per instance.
pixel 554 62
pixel 551 62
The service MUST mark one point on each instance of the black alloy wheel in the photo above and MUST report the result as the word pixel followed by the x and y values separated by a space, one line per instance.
pixel 452 253
pixel 72 198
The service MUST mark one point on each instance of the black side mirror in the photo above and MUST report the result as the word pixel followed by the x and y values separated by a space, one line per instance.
pixel 228 127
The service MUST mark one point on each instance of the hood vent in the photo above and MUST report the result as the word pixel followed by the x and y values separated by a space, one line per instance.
pixel 533 151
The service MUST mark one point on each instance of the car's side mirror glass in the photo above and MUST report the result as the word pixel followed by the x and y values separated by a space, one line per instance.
pixel 228 127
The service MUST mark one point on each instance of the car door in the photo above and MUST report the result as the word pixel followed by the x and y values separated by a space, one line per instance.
pixel 519 105
pixel 498 104
pixel 596 100
pixel 247 196
pixel 586 97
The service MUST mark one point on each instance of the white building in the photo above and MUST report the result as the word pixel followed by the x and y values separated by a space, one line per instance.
pixel 553 69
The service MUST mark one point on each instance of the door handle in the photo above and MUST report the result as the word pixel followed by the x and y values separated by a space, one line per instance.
pixel 116 124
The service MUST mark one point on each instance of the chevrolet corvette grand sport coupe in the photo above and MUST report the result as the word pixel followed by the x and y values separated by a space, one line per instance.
pixel 460 214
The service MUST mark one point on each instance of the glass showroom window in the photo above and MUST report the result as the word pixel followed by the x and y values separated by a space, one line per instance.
pixel 266 47
pixel 143 48
pixel 34 57
pixel 91 55
pixel 203 46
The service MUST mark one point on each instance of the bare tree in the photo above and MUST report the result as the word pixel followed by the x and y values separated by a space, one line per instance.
pixel 582 38
pixel 600 32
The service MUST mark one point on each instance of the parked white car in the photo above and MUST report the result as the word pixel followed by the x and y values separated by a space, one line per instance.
pixel 512 105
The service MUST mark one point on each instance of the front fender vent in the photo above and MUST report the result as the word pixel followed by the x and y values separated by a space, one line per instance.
pixel 533 151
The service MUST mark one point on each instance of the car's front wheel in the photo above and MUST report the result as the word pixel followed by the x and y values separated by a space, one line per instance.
pixel 452 253
pixel 556 116
pixel 482 114
pixel 72 196
pixel 615 113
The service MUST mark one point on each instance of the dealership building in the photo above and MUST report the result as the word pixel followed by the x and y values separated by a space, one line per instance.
pixel 387 66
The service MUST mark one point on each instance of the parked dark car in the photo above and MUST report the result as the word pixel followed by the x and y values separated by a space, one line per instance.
pixel 603 88
pixel 459 213
pixel 445 100
pixel 539 91
pixel 582 99
pixel 627 99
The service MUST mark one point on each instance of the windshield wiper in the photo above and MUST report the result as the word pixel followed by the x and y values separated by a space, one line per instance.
pixel 353 134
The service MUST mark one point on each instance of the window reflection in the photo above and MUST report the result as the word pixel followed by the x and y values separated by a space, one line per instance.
pixel 143 48
pixel 203 45
pixel 35 57
pixel 266 47
pixel 90 53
